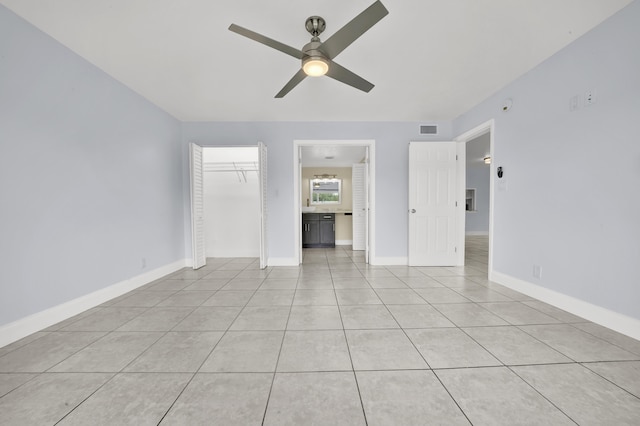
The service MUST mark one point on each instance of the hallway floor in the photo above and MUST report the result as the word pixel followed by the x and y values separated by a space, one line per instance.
pixel 332 342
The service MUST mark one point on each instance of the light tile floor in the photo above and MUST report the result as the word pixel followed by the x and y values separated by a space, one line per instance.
pixel 333 341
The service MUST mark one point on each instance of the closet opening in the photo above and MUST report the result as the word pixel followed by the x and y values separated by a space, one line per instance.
pixel 228 203
pixel 231 202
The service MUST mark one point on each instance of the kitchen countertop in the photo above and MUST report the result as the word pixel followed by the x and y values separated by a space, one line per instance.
pixel 329 211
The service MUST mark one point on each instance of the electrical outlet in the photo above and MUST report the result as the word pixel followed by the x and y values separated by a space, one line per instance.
pixel 144 262
pixel 537 271
pixel 589 97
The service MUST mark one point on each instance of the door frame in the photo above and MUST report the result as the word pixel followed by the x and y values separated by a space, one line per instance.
pixel 297 193
pixel 365 171
pixel 462 139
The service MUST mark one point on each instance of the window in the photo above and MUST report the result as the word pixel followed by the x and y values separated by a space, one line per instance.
pixel 325 191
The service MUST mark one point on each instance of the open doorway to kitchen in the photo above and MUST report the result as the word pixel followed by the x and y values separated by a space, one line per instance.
pixel 352 164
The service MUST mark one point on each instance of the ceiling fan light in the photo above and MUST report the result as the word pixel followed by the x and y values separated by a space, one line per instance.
pixel 315 66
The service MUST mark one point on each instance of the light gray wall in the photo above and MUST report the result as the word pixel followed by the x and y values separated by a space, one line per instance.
pixel 90 176
pixel 478 220
pixel 572 177
pixel 392 156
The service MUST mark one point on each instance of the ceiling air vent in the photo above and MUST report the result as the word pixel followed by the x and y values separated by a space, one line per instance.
pixel 428 130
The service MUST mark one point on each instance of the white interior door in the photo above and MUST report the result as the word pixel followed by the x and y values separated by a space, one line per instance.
pixel 432 203
pixel 262 174
pixel 197 206
pixel 359 190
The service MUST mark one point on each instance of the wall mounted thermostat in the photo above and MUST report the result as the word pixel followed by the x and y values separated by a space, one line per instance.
pixel 500 172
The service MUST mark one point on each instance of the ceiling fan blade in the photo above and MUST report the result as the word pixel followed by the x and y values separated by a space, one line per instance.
pixel 340 73
pixel 354 29
pixel 292 51
pixel 295 80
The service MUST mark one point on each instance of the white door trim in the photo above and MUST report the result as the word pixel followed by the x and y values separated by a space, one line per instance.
pixel 262 178
pixel 487 126
pixel 359 203
pixel 297 144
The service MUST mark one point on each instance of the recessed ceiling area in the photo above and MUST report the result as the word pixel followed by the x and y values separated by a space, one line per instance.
pixel 428 60
pixel 332 155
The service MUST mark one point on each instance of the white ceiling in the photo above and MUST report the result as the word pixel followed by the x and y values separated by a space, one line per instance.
pixel 429 59
pixel 332 155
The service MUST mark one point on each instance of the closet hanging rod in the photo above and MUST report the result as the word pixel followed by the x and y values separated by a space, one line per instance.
pixel 239 168
pixel 230 167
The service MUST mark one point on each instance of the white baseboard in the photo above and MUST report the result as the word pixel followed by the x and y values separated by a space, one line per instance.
pixel 470 233
pixel 344 242
pixel 231 253
pixel 282 261
pixel 619 322
pixel 23 327
pixel 389 261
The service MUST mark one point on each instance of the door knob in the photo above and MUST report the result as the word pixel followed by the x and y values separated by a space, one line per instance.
pixel 413 210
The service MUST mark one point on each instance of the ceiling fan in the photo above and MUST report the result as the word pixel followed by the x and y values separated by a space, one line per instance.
pixel 317 56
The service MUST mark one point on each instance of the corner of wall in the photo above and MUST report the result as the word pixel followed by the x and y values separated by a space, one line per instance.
pixel 621 323
pixel 23 327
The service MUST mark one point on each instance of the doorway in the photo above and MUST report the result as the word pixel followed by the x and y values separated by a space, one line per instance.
pixel 231 201
pixel 478 161
pixel 335 153
pixel 476 173
pixel 228 187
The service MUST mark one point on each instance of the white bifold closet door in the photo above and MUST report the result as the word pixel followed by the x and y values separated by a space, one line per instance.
pixel 360 210
pixel 197 206
pixel 262 175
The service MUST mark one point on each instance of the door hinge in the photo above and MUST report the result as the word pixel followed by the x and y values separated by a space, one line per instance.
pixel 456 204
pixel 456 157
pixel 455 249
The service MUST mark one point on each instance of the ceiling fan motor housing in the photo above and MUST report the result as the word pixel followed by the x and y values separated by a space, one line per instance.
pixel 314 63
pixel 311 49
pixel 315 25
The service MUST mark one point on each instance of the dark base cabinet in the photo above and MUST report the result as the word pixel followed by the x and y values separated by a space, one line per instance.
pixel 318 230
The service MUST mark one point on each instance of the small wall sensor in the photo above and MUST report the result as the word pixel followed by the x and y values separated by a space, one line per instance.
pixel 506 104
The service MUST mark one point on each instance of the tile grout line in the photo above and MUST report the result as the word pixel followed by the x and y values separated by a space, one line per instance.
pixel 427 363
pixel 193 375
pixel 346 341
pixel 541 394
pixel 275 368
pixel 608 380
